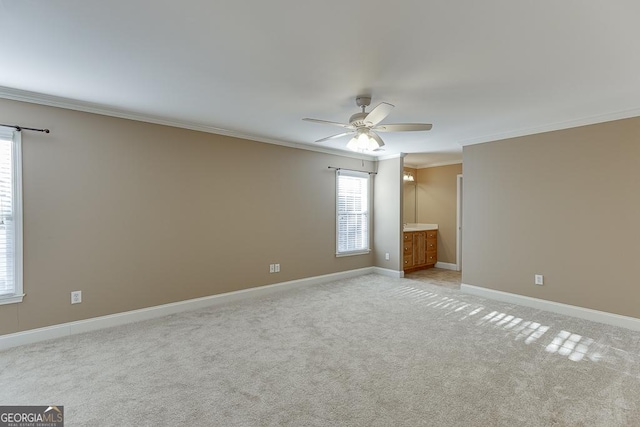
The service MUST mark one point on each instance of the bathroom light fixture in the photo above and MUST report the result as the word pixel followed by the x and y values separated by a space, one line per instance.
pixel 408 177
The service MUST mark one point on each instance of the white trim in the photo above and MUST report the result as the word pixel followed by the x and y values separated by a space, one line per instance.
pixel 434 165
pixel 388 272
pixel 15 138
pixel 361 175
pixel 93 324
pixel 18 219
pixel 11 299
pixel 555 307
pixel 459 207
pixel 354 253
pixel 446 266
pixel 391 156
pixel 88 107
pixel 584 121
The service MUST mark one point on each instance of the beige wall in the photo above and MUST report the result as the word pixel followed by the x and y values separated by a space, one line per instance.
pixel 387 215
pixel 437 204
pixel 564 204
pixel 136 215
pixel 409 198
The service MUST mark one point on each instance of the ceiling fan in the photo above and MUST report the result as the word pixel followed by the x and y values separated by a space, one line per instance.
pixel 363 126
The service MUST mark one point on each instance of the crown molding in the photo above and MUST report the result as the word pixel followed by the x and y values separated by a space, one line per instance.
pixel 391 156
pixel 89 107
pixel 433 165
pixel 585 121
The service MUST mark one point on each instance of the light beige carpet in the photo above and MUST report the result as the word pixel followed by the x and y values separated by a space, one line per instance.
pixel 369 351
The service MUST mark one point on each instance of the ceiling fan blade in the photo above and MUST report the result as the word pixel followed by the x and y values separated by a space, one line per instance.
pixel 378 140
pixel 403 127
pixel 326 122
pixel 378 114
pixel 335 136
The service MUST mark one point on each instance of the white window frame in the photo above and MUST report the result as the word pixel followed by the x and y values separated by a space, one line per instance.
pixel 16 148
pixel 356 174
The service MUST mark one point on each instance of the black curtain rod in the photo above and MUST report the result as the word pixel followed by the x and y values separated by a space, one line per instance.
pixel 353 170
pixel 19 128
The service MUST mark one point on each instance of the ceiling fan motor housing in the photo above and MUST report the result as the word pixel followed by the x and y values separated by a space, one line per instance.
pixel 357 119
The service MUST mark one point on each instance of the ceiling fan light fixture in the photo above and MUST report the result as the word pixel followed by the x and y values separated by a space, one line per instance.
pixel 373 144
pixel 353 144
pixel 363 142
pixel 360 142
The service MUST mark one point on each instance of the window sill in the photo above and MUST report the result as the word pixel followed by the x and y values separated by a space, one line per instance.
pixel 12 299
pixel 342 254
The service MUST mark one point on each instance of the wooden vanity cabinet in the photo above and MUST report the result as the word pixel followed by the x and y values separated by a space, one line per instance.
pixel 420 249
pixel 407 245
pixel 432 247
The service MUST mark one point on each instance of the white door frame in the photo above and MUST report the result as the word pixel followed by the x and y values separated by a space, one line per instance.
pixel 459 224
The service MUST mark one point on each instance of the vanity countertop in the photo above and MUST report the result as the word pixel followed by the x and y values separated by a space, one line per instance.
pixel 419 227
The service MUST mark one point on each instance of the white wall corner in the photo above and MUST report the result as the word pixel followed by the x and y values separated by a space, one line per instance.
pixel 555 307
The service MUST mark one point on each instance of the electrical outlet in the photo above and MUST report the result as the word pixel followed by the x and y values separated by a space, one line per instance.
pixel 539 279
pixel 386 256
pixel 277 268
pixel 272 268
pixel 76 297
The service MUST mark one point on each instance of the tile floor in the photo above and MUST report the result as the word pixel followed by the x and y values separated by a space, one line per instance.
pixel 437 276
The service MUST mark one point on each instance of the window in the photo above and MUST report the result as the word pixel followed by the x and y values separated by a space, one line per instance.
pixel 352 212
pixel 10 216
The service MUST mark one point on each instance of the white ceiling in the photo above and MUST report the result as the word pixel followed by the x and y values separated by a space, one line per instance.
pixel 477 70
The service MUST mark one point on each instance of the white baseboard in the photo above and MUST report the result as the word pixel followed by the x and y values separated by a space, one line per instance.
pixel 388 272
pixel 555 307
pixel 447 266
pixel 95 323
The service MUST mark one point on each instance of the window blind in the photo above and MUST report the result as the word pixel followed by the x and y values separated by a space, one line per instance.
pixel 7 217
pixel 352 205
